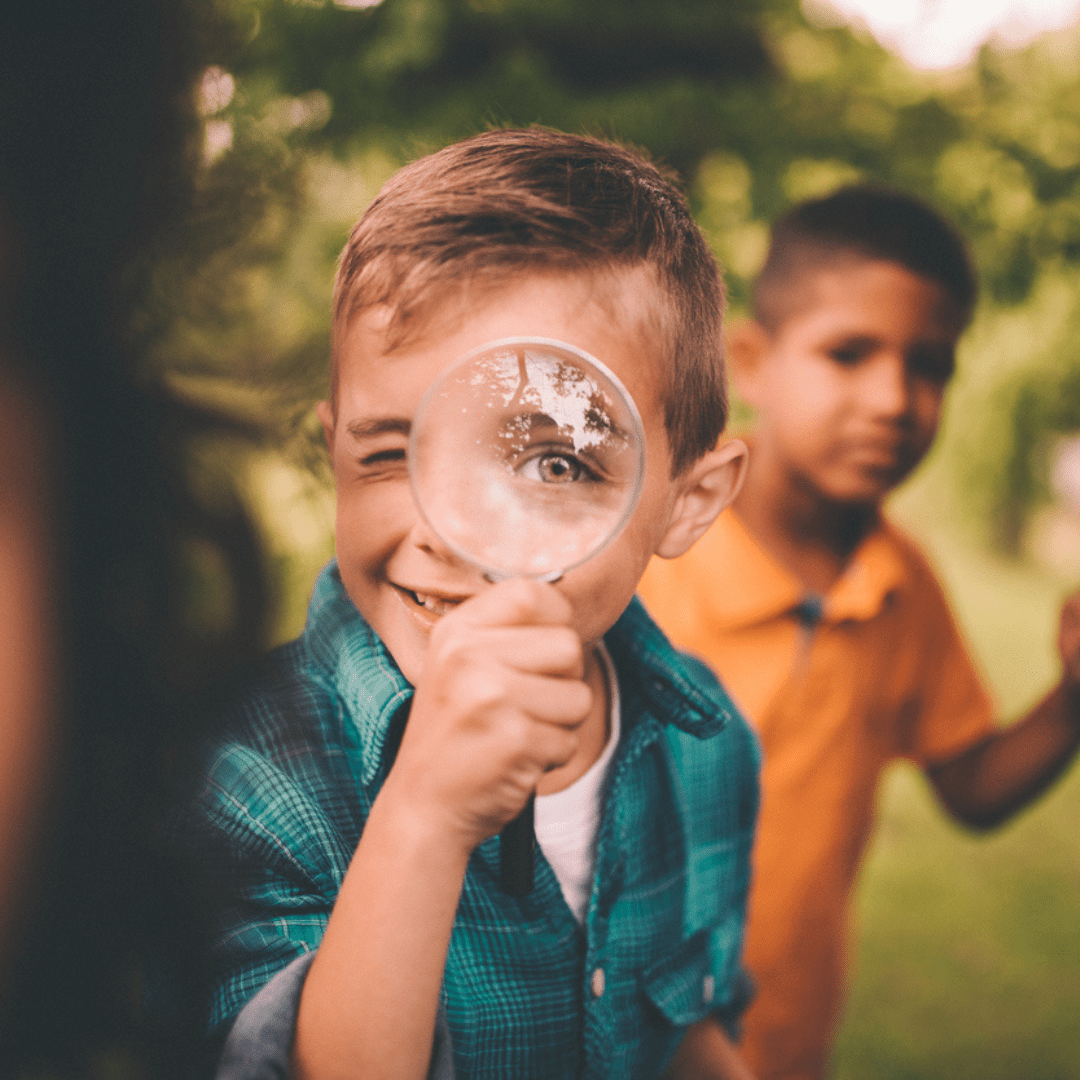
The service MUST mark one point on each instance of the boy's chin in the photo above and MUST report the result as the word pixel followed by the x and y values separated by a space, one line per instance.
pixel 406 638
pixel 856 497
pixel 409 659
pixel 868 487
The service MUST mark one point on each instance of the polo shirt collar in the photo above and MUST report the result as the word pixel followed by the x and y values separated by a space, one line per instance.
pixel 750 586
pixel 375 693
pixel 875 572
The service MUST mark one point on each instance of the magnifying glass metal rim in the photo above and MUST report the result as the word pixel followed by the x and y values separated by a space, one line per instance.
pixel 496 573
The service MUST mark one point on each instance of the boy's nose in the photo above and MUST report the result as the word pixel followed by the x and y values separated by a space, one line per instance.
pixel 424 538
pixel 886 386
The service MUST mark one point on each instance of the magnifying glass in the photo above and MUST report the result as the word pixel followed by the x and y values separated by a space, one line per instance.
pixel 526 459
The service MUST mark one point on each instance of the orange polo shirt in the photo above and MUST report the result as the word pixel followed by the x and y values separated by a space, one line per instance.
pixel 880 674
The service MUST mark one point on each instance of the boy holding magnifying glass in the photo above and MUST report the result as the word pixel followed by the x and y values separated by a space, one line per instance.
pixel 356 795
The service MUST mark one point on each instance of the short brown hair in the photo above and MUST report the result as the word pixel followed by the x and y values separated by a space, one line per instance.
pixel 541 200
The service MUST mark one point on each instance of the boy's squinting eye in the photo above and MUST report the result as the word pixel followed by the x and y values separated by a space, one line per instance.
pixel 378 460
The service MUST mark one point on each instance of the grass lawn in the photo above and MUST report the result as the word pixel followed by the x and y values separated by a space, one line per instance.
pixel 968 948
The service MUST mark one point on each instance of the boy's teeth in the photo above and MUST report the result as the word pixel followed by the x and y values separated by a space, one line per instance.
pixel 430 603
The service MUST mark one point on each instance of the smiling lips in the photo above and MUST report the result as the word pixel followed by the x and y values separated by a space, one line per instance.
pixel 433 605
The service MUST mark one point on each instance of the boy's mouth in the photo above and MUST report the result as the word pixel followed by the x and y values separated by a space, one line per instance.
pixel 433 605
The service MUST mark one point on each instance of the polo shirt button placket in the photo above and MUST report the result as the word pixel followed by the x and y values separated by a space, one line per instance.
pixel 596 983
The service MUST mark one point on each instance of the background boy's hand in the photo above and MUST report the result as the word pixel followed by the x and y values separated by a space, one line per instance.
pixel 498 703
pixel 1069 642
pixel 984 785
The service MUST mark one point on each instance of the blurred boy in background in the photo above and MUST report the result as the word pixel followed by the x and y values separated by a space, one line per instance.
pixel 824 621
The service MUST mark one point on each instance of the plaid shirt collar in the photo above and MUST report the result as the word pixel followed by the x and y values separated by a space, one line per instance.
pixel 358 666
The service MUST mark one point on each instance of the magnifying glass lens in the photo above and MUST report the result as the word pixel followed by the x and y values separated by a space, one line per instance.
pixel 527 457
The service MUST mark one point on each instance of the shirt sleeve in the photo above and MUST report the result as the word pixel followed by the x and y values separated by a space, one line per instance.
pixel 954 710
pixel 274 858
pixel 258 1045
pixel 260 1040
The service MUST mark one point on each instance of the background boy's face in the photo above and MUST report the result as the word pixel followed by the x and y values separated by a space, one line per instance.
pixel 849 387
pixel 398 574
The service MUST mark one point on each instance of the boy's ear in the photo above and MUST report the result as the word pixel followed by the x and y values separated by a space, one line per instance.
pixel 324 411
pixel 748 342
pixel 705 489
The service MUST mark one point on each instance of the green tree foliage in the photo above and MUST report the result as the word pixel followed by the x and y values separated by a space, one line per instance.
pixel 751 104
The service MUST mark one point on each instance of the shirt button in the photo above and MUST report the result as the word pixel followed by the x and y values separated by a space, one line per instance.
pixel 708 987
pixel 597 983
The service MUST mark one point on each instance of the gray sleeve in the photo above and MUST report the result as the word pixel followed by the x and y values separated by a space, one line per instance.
pixel 261 1037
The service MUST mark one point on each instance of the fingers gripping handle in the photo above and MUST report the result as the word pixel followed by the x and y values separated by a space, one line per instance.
pixel 517 842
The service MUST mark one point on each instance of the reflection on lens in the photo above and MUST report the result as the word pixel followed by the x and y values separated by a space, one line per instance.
pixel 527 457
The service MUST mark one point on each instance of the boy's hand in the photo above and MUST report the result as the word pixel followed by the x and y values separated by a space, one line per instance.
pixel 1069 643
pixel 498 703
pixel 987 783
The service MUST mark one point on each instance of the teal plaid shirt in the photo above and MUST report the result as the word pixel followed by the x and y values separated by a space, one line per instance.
pixel 528 992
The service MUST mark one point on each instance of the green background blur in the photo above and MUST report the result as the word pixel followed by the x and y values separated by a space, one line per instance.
pixel 968 955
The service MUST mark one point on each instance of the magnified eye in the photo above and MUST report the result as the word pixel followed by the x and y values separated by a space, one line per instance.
pixel 554 467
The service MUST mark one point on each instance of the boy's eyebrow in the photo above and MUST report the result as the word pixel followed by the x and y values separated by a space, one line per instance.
pixel 388 425
pixel 859 338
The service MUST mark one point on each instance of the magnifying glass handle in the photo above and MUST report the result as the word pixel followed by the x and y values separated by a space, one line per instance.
pixel 517 841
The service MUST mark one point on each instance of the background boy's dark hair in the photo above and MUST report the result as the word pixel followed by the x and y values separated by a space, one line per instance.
pixel 537 200
pixel 865 221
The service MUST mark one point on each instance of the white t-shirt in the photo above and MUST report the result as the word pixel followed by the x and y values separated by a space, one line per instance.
pixel 567 823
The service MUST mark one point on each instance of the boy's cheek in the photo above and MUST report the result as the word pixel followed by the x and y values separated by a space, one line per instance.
pixel 599 595
pixel 373 517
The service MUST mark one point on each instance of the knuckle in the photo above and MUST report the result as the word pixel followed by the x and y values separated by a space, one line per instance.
pixel 571 706
pixel 519 740
pixel 563 747
pixel 521 594
pixel 460 653
pixel 539 599
pixel 446 640
pixel 483 689
pixel 559 605
pixel 567 645
pixel 581 700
